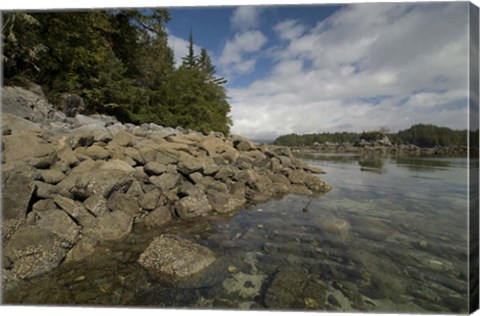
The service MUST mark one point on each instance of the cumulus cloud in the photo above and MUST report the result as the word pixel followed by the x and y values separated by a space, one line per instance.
pixel 366 66
pixel 245 18
pixel 235 56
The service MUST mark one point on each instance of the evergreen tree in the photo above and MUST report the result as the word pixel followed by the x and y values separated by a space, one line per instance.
pixel 190 60
pixel 206 65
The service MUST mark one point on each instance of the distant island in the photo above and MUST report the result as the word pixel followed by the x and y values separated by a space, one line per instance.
pixel 419 137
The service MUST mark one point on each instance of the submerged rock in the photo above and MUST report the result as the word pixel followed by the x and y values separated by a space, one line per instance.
pixel 173 257
pixel 34 251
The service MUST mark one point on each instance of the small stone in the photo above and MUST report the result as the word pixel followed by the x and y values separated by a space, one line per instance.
pixel 80 278
pixel 232 269
pixel 97 153
pixel 52 176
pixel 260 226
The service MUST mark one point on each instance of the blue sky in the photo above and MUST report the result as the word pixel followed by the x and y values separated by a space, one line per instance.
pixel 214 26
pixel 316 68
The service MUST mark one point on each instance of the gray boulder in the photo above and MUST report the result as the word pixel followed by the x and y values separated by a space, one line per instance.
pixel 17 192
pixel 102 182
pixel 26 104
pixel 29 147
pixel 166 181
pixel 60 223
pixel 119 201
pixel 14 124
pixel 169 256
pixel 193 206
pixel 71 104
pixel 34 251
pixel 224 202
pixel 111 226
pixel 84 248
pixel 75 210
pixel 158 217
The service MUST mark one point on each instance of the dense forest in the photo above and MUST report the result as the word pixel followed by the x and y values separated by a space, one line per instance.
pixel 119 62
pixel 422 135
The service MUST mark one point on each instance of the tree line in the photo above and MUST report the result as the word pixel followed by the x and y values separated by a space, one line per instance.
pixel 422 135
pixel 119 62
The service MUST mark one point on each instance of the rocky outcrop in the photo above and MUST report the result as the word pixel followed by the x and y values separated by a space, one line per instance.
pixel 87 179
pixel 28 105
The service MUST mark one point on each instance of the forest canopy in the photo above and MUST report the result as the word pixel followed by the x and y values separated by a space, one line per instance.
pixel 422 135
pixel 119 62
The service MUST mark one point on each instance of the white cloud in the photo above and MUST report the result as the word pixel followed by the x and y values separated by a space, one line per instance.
pixel 180 48
pixel 289 29
pixel 234 59
pixel 245 18
pixel 366 66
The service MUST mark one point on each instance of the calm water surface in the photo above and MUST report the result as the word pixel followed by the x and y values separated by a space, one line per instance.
pixel 390 237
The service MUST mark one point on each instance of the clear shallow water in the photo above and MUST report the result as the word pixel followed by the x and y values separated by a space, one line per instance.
pixel 390 237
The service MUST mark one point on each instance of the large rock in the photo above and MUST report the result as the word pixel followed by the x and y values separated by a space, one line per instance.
pixel 169 256
pixel 52 176
pixel 312 182
pixel 60 223
pixel 96 204
pixel 193 206
pixel 158 217
pixel 166 181
pixel 34 251
pixel 97 153
pixel 119 201
pixel 286 289
pixel 26 104
pixel 111 227
pixel 84 248
pixel 154 168
pixel 29 147
pixel 102 182
pixel 149 200
pixel 87 134
pixel 71 104
pixel 224 202
pixel 17 192
pixel 14 124
pixel 188 164
pixel 75 210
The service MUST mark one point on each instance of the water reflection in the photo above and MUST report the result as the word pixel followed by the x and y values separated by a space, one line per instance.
pixel 372 163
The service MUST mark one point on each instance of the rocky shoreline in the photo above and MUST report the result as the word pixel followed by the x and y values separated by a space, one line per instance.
pixel 71 182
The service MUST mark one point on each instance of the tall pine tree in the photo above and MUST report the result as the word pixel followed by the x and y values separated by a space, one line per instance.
pixel 190 60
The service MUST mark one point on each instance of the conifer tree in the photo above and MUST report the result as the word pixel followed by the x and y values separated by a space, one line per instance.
pixel 190 60
pixel 206 65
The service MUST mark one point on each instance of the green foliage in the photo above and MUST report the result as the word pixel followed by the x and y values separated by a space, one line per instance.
pixel 421 135
pixel 119 63
pixel 321 138
pixel 427 135
pixel 190 60
pixel 22 46
pixel 371 136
